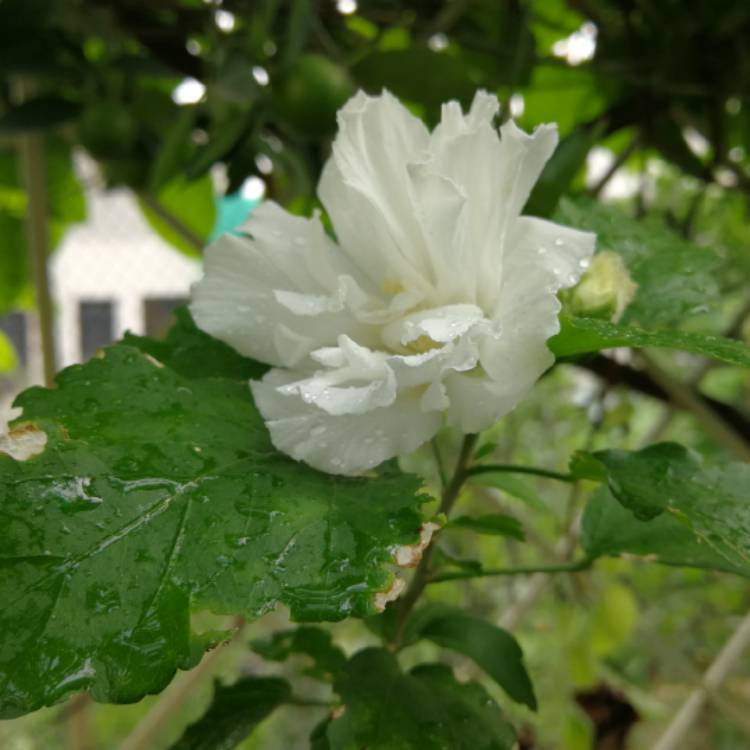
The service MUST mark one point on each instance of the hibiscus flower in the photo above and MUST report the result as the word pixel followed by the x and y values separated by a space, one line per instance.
pixel 432 305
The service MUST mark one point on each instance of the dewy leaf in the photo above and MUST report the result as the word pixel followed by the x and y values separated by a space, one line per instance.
pixel 236 710
pixel 492 648
pixel 582 335
pixel 608 528
pixel 674 277
pixel 328 659
pixel 158 495
pixel 427 709
pixel 669 481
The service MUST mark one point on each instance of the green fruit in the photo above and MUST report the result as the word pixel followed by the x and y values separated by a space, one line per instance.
pixel 108 129
pixel 310 93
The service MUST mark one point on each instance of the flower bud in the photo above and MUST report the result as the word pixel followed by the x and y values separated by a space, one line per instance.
pixel 605 290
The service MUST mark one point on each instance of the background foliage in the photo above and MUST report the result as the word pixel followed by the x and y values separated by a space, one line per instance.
pixel 159 93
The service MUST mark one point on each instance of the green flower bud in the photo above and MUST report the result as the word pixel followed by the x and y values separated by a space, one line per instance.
pixel 605 290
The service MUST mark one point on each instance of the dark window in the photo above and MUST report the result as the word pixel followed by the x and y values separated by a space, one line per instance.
pixel 159 313
pixel 13 325
pixel 96 329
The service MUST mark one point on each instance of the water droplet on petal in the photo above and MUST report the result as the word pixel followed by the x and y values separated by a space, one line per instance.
pixel 559 242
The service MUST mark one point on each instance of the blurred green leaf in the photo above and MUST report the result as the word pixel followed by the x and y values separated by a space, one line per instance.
pixel 564 95
pixel 426 709
pixel 495 524
pixel 492 648
pixel 174 149
pixel 8 357
pixel 189 203
pixel 38 114
pixel 512 485
pixel 235 711
pixel 315 643
pixel 433 77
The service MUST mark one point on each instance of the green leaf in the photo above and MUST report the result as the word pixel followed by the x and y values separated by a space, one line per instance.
pixel 236 710
pixel 669 485
pixel 426 709
pixel 315 643
pixel 492 648
pixel 158 495
pixel 583 335
pixel 608 528
pixel 674 277
pixel 191 203
pixel 496 524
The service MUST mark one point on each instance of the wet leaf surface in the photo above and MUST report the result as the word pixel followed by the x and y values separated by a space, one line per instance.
pixel 681 510
pixel 159 495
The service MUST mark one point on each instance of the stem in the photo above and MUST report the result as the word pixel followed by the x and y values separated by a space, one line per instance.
pixel 439 462
pixel 515 469
pixel 672 739
pixel 571 567
pixel 621 158
pixel 421 575
pixel 33 173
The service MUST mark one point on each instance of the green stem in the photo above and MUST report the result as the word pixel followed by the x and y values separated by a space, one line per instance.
pixel 421 575
pixel 439 462
pixel 571 567
pixel 515 469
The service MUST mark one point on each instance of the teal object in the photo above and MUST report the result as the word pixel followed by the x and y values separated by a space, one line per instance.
pixel 231 211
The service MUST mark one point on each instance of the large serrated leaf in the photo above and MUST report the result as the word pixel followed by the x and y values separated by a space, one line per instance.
pixel 427 709
pixel 158 495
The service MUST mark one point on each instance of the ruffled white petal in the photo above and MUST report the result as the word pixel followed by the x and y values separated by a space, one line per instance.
pixel 365 189
pixel 280 293
pixel 347 444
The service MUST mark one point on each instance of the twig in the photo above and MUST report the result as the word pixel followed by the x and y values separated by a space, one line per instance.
pixel 672 738
pixel 516 469
pixel 172 699
pixel 621 158
pixel 421 575
pixel 79 723
pixel 571 567
pixel 439 462
pixel 683 396
pixel 187 234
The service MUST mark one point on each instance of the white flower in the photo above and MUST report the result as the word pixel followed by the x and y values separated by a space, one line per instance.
pixel 434 303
